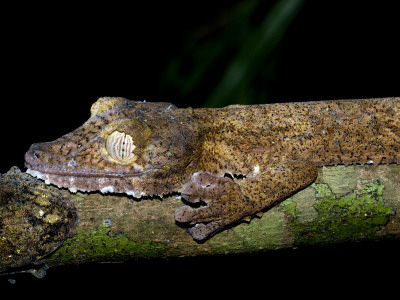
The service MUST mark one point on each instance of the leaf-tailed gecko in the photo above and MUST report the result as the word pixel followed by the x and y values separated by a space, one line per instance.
pixel 229 164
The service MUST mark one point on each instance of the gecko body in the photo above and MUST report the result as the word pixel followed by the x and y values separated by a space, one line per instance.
pixel 236 161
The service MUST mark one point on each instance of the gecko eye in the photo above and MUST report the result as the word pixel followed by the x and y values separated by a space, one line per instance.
pixel 124 141
pixel 120 147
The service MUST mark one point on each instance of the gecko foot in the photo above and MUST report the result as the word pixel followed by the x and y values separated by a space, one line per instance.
pixel 223 201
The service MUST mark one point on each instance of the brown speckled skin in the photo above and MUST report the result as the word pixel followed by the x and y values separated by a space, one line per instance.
pixel 238 160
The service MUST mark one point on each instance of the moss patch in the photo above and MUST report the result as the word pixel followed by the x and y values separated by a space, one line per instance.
pixel 98 245
pixel 268 232
pixel 354 216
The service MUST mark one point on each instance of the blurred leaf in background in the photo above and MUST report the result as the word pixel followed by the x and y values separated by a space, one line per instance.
pixel 232 59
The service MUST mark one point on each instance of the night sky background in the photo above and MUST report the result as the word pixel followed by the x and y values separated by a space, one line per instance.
pixel 57 60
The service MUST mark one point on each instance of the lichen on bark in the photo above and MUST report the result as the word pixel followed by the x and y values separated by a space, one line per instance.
pixel 35 219
pixel 354 216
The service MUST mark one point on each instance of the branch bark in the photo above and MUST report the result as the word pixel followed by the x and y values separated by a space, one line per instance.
pixel 346 204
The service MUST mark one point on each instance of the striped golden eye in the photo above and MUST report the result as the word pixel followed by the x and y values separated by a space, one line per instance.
pixel 120 147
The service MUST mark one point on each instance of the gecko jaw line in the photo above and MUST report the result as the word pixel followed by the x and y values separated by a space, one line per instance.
pixel 83 174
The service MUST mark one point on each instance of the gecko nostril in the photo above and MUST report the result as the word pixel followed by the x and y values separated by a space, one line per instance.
pixel 36 154
pixel 34 151
pixel 33 155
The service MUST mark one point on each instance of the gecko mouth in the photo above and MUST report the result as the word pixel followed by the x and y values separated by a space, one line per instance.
pixel 35 165
pixel 129 184
pixel 133 183
pixel 60 172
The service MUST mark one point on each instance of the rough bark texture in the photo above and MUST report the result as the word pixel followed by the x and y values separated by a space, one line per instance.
pixel 345 204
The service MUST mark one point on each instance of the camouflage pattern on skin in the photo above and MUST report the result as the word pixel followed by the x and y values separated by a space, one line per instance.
pixel 237 161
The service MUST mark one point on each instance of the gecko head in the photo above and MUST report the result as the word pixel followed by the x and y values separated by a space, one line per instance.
pixel 138 148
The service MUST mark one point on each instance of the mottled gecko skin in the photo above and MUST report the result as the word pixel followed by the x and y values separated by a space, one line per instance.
pixel 236 161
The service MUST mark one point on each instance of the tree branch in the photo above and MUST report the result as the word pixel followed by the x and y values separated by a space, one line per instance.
pixel 345 204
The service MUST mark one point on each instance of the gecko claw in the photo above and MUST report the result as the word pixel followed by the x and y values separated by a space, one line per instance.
pixel 200 232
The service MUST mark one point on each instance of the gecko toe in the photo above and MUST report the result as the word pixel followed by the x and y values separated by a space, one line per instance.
pixel 183 214
pixel 205 187
pixel 200 232
pixel 220 200
pixel 189 215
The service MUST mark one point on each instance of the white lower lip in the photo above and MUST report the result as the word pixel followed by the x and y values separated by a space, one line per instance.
pixel 41 171
pixel 106 189
pixel 38 174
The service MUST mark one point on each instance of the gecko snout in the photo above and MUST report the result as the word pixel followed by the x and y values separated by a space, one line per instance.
pixel 37 156
pixel 33 155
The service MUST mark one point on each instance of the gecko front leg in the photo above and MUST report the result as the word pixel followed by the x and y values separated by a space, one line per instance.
pixel 227 202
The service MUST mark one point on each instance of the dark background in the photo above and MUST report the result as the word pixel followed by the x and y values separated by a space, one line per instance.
pixel 57 60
